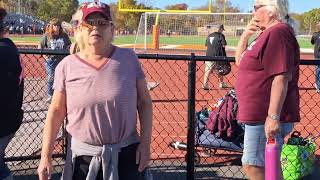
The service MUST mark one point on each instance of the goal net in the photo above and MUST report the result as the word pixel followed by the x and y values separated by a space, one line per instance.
pixel 186 31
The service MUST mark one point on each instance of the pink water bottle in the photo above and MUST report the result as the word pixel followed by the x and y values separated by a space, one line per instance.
pixel 272 160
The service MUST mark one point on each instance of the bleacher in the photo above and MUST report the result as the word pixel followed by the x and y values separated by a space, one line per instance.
pixel 24 24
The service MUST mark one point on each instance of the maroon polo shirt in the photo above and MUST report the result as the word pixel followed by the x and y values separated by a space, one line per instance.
pixel 275 51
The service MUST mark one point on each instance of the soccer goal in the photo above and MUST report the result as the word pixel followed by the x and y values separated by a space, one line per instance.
pixel 165 30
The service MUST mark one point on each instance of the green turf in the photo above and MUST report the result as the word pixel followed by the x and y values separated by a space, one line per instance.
pixel 178 40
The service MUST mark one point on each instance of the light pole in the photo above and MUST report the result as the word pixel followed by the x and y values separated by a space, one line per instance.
pixel 224 12
pixel 19 6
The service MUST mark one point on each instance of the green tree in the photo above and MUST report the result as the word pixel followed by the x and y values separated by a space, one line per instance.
pixel 62 9
pixel 182 6
pixel 219 6
pixel 311 18
pixel 127 20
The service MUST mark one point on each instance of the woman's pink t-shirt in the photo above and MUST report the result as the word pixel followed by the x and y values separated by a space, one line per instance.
pixel 101 103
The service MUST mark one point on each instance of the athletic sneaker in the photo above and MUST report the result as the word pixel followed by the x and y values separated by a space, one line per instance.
pixel 317 88
pixel 223 85
pixel 206 88
pixel 49 99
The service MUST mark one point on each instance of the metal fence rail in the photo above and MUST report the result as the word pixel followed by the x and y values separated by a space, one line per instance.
pixel 175 102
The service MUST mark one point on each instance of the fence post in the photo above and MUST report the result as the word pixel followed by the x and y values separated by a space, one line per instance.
pixel 191 116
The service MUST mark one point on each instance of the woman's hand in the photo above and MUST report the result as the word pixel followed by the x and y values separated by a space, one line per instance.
pixel 45 169
pixel 143 155
pixel 271 127
pixel 252 27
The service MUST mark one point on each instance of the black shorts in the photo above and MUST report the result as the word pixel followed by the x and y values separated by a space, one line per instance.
pixel 127 167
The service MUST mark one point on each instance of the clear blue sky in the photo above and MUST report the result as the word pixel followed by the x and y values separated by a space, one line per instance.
pixel 298 6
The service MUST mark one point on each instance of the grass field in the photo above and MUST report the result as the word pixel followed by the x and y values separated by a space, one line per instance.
pixel 176 40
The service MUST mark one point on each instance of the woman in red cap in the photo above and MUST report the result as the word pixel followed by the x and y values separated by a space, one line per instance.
pixel 100 89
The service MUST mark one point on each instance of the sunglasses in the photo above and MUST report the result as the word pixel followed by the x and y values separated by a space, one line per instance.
pixel 97 22
pixel 257 7
pixel 89 23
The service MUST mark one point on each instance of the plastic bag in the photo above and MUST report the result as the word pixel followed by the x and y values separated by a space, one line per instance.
pixel 297 157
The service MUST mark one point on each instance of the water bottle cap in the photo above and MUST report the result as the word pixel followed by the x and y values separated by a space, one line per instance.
pixel 271 141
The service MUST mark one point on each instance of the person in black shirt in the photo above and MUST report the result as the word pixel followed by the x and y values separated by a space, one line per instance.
pixel 315 40
pixel 11 94
pixel 215 43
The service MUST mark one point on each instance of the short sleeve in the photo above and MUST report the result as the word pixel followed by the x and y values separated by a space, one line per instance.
pixel 207 41
pixel 139 71
pixel 314 38
pixel 223 41
pixel 60 77
pixel 277 54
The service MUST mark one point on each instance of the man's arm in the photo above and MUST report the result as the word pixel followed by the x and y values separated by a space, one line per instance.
pixel 313 38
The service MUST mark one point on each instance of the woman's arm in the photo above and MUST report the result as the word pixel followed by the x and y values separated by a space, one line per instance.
pixel 144 110
pixel 55 116
pixel 251 29
pixel 242 46
pixel 279 90
pixel 145 116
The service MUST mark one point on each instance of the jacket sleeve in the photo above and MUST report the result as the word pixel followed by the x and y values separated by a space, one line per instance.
pixel 314 37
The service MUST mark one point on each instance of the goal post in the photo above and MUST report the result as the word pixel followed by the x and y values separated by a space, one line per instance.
pixel 164 29
pixel 173 6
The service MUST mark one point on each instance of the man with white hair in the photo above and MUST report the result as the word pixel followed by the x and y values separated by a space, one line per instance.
pixel 315 40
pixel 267 82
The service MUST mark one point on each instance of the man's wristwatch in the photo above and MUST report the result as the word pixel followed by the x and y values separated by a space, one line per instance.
pixel 274 117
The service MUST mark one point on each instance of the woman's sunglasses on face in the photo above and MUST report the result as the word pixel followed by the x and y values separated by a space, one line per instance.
pixel 97 22
pixel 89 23
pixel 257 7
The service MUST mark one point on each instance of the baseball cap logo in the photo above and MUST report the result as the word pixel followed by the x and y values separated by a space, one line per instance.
pixel 96 4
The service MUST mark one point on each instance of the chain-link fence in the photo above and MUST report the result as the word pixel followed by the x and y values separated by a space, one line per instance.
pixel 177 96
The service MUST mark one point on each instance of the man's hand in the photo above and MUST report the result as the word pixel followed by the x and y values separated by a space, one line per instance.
pixel 271 127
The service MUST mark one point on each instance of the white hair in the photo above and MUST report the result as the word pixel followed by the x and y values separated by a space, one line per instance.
pixel 280 8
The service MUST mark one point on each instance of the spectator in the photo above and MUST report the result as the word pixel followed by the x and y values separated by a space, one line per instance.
pixel 54 39
pixel 267 82
pixel 315 40
pixel 11 94
pixel 99 89
pixel 215 43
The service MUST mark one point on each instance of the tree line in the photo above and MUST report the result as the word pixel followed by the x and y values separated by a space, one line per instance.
pixel 63 9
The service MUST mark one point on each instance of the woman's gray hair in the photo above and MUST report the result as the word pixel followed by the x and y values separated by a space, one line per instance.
pixel 280 8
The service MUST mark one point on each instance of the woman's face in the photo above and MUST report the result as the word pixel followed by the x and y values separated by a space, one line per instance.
pixel 56 28
pixel 97 30
pixel 261 14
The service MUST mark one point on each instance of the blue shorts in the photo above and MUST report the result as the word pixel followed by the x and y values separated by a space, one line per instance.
pixel 255 141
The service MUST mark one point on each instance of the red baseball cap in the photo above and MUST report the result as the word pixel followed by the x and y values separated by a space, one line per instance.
pixel 96 6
